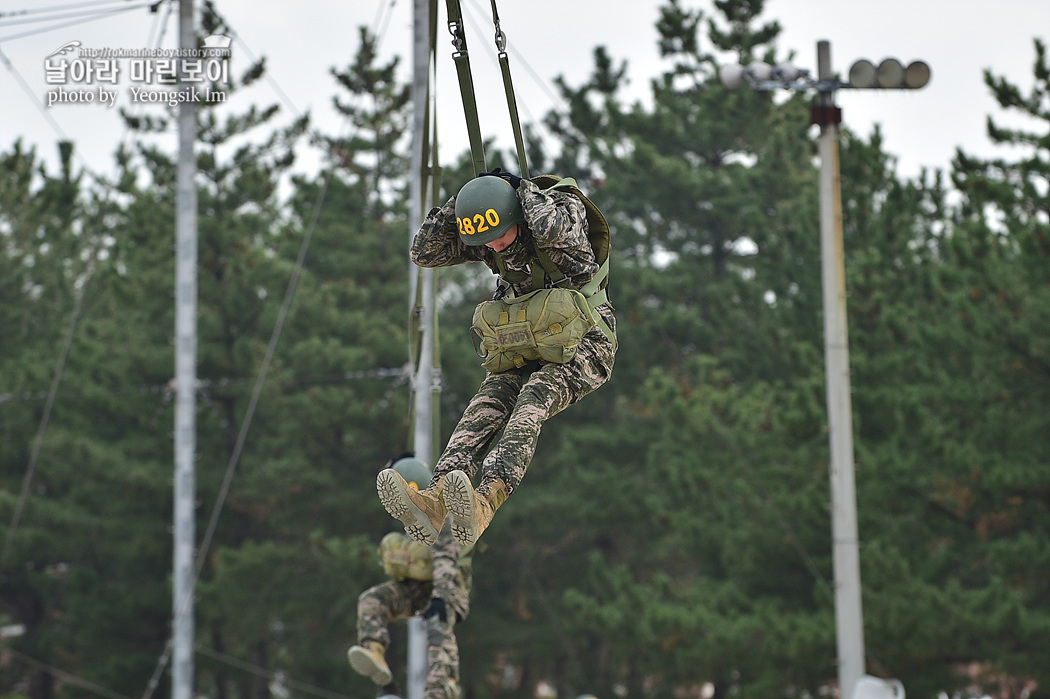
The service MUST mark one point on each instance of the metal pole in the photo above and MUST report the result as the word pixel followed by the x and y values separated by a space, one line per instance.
pixel 848 617
pixel 185 383
pixel 421 437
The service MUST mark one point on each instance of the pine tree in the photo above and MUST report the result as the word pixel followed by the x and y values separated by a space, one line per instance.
pixel 981 467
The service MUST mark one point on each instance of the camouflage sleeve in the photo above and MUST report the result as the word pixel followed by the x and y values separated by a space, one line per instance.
pixel 558 221
pixel 437 241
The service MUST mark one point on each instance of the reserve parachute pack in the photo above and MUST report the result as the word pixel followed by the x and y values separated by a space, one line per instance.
pixel 547 323
pixel 403 558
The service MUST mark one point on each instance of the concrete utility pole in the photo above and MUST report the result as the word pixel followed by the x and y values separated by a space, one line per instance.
pixel 849 621
pixel 889 74
pixel 185 384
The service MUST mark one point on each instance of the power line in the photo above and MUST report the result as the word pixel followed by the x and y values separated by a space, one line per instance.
pixel 93 18
pixel 380 24
pixel 220 500
pixel 45 419
pixel 554 97
pixel 160 28
pixel 267 674
pixel 205 384
pixel 93 13
pixel 47 115
pixel 58 8
pixel 74 318
pixel 29 91
pixel 258 384
pixel 163 24
pixel 476 25
pixel 63 675
pixel 32 97
pixel 208 652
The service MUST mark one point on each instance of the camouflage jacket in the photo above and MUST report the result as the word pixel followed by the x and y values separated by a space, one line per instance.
pixel 555 222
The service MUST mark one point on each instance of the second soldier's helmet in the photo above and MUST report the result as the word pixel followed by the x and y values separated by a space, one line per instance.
pixel 486 208
pixel 414 471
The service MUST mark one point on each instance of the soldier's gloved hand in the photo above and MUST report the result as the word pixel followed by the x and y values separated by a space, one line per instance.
pixel 514 180
pixel 436 608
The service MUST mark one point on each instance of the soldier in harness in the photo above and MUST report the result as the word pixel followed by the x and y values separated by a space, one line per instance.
pixel 433 582
pixel 547 339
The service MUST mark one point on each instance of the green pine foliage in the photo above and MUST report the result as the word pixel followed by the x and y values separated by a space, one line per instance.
pixel 672 535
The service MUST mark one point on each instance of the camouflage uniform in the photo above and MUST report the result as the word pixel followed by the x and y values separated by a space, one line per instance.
pixel 395 600
pixel 518 401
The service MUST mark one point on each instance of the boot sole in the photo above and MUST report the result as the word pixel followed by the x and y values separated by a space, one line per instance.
pixel 364 664
pixel 396 501
pixel 458 496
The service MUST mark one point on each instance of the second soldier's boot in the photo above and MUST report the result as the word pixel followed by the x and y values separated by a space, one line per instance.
pixel 368 659
pixel 471 509
pixel 421 511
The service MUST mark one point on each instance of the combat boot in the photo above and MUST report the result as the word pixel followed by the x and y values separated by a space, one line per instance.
pixel 471 510
pixel 368 659
pixel 421 511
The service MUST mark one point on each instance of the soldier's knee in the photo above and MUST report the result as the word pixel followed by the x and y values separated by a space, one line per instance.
pixel 370 606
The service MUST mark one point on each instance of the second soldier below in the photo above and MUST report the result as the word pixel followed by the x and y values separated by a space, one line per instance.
pixel 432 581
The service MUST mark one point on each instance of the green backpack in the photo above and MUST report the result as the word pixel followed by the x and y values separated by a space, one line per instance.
pixel 402 557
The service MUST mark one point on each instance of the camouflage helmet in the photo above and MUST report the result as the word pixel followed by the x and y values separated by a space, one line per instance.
pixel 414 471
pixel 486 208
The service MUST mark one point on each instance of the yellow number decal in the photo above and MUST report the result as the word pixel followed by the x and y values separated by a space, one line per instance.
pixel 479 223
pixel 466 226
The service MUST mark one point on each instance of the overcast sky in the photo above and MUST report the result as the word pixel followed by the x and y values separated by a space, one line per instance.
pixel 303 40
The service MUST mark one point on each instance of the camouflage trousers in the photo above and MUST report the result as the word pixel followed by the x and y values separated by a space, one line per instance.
pixel 395 600
pixel 518 402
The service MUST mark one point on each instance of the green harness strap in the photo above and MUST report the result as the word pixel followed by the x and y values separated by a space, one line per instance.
pixel 595 291
pixel 466 85
pixel 595 296
pixel 508 87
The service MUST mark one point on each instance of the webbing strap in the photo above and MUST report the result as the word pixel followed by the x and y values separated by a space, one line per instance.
pixel 508 87
pixel 552 271
pixel 507 274
pixel 590 287
pixel 556 275
pixel 466 85
pixel 537 277
pixel 595 296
